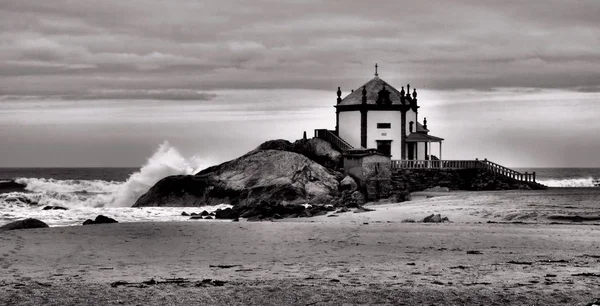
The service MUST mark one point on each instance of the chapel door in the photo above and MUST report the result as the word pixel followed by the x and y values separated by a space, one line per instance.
pixel 384 147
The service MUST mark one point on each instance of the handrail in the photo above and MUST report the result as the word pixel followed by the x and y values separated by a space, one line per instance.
pixel 464 164
pixel 332 138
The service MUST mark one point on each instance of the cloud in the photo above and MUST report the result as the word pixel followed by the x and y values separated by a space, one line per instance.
pixel 77 47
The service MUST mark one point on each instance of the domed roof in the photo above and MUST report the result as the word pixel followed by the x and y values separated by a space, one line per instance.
pixel 373 87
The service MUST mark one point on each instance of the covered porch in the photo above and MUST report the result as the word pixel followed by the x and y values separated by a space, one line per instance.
pixel 418 146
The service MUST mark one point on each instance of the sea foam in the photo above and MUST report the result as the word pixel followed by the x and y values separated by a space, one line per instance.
pixel 572 182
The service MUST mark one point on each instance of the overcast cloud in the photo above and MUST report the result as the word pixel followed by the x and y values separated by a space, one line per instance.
pixel 80 48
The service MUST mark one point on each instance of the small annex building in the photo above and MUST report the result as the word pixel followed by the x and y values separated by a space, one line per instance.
pixel 377 115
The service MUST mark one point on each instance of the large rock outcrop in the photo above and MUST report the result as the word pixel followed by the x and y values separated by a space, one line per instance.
pixel 265 174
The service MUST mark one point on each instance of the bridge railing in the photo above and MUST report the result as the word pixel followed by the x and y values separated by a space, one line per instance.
pixel 464 164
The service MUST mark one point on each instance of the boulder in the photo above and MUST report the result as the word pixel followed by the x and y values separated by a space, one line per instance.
pixel 49 207
pixel 204 213
pixel 226 213
pixel 7 186
pixel 24 224
pixel 348 184
pixel 184 214
pixel 100 219
pixel 208 218
pixel 262 175
pixel 20 199
pixel 435 218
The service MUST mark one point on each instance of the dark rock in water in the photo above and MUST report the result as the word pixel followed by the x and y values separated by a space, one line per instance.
pixel 7 186
pixel 184 214
pixel 208 217
pixel 196 217
pixel 100 219
pixel 21 199
pixel 277 176
pixel 194 214
pixel 24 224
pixel 204 213
pixel 49 207
pixel 435 218
pixel 227 213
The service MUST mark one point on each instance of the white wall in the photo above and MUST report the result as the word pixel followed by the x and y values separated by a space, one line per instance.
pixel 393 134
pixel 350 127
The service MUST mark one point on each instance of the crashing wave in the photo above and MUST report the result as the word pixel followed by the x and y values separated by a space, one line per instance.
pixel 164 162
pixel 573 182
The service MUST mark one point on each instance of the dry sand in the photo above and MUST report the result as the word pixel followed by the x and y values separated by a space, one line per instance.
pixel 367 258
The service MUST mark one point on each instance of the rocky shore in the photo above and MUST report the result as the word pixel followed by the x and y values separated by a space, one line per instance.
pixel 278 178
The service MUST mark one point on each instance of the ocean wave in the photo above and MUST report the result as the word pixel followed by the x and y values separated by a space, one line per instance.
pixel 572 182
pixel 67 186
pixel 166 161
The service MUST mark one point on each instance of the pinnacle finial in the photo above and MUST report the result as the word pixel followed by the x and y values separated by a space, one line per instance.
pixel 376 66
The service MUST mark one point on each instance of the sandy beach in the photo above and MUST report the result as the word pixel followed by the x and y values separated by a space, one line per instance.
pixel 500 249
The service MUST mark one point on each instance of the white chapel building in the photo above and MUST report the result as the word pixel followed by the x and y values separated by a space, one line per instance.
pixel 377 115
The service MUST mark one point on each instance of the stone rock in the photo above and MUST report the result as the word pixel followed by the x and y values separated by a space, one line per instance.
pixel 20 199
pixel 208 218
pixel 435 218
pixel 184 214
pixel 204 213
pixel 49 207
pixel 196 217
pixel 11 186
pixel 100 219
pixel 362 210
pixel 273 175
pixel 318 150
pixel 226 213
pixel 24 224
pixel 348 184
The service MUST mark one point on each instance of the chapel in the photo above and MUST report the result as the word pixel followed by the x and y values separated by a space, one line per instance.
pixel 378 116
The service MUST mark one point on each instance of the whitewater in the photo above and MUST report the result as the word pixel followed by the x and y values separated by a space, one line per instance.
pixel 85 199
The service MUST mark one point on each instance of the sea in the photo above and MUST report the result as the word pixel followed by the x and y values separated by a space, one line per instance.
pixel 88 192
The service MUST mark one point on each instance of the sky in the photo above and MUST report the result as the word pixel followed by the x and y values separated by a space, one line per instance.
pixel 104 83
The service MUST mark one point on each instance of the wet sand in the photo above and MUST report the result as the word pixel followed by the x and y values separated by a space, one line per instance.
pixel 368 258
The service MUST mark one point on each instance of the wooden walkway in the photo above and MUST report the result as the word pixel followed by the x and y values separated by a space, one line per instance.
pixel 465 164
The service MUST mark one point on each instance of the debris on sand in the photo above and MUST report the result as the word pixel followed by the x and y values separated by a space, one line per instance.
pixel 178 281
pixel 435 218
pixel 514 262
